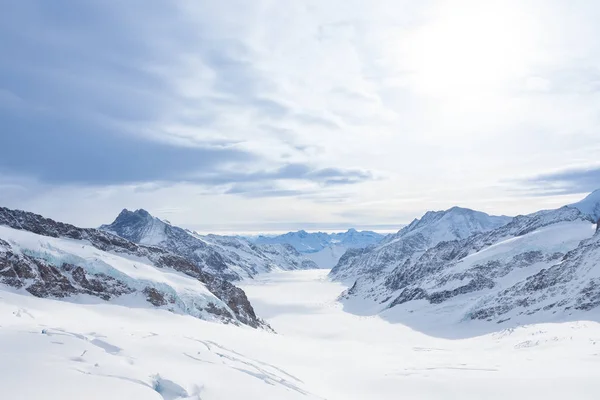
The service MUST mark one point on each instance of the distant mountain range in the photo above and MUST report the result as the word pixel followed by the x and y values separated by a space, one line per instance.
pixel 461 264
pixel 446 267
pixel 325 249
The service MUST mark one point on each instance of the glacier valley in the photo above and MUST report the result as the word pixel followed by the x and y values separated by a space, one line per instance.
pixel 457 304
pixel 63 350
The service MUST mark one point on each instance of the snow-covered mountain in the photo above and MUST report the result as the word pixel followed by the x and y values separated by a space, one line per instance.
pixel 590 205
pixel 313 242
pixel 542 265
pixel 302 241
pixel 229 257
pixel 413 240
pixel 45 258
pixel 131 346
pixel 325 249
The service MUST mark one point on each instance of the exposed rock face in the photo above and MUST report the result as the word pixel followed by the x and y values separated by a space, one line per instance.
pixel 231 258
pixel 41 278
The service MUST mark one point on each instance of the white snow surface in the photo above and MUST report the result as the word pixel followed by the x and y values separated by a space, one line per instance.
pixel 55 350
pixel 327 257
pixel 590 205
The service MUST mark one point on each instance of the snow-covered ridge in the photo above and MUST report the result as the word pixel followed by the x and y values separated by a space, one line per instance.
pixel 411 241
pixel 46 258
pixel 313 242
pixel 542 265
pixel 229 257
pixel 590 205
pixel 452 224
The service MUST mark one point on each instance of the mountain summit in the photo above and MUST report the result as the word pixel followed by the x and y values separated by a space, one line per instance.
pixel 413 240
pixel 454 223
pixel 138 226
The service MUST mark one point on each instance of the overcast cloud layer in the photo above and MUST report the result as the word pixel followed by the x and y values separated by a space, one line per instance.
pixel 273 115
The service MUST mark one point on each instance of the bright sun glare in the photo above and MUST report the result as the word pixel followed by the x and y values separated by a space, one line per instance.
pixel 470 50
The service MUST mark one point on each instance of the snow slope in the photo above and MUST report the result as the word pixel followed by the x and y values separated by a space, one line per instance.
pixel 328 256
pixel 61 351
pixel 590 205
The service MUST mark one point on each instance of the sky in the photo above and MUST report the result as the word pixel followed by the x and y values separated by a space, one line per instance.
pixel 267 115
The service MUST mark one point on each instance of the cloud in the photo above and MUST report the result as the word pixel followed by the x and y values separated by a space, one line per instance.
pixel 55 150
pixel 295 103
pixel 99 106
pixel 571 181
pixel 9 100
pixel 106 65
pixel 262 190
pixel 295 171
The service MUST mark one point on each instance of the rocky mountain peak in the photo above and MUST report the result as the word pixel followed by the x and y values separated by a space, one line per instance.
pixel 126 215
pixel 457 220
pixel 139 226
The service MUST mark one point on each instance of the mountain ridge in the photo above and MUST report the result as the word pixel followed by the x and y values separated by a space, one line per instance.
pixel 231 257
pixel 313 242
pixel 46 258
pixel 540 264
pixel 434 227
